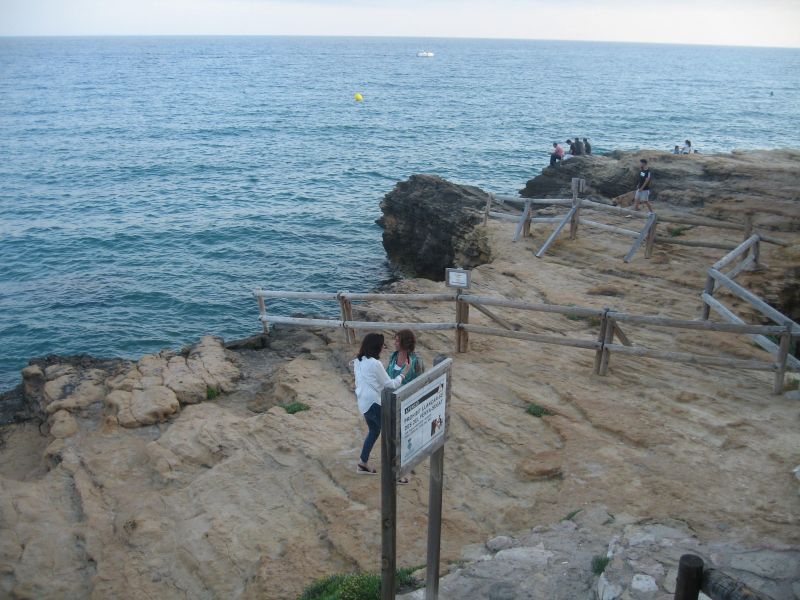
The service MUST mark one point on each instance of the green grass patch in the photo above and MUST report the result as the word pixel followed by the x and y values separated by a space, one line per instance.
pixel 357 586
pixel 571 515
pixel 211 393
pixel 538 411
pixel 599 564
pixel 791 385
pixel 295 407
pixel 677 231
pixel 592 321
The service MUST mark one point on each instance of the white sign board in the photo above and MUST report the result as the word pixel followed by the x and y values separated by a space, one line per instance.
pixel 422 420
pixel 457 278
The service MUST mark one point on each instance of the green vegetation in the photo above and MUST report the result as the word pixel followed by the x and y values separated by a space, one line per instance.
pixel 592 321
pixel 538 411
pixel 599 564
pixel 211 393
pixel 677 231
pixel 791 385
pixel 295 407
pixel 571 515
pixel 357 586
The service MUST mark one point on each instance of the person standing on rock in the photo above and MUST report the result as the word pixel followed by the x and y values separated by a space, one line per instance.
pixel 557 155
pixel 403 355
pixel 371 378
pixel 642 193
pixel 579 148
pixel 571 145
pixel 587 147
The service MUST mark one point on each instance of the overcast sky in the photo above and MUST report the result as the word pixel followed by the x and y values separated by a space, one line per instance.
pixel 737 22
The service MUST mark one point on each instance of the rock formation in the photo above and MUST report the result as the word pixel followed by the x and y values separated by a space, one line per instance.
pixel 182 475
pixel 430 224
pixel 764 181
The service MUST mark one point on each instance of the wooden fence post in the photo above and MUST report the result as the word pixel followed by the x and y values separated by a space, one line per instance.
pixel 608 338
pixel 262 309
pixel 462 318
pixel 489 201
pixel 598 355
pixel 573 222
pixel 708 289
pixel 347 315
pixel 526 228
pixel 388 496
pixel 690 577
pixel 783 356
pixel 651 238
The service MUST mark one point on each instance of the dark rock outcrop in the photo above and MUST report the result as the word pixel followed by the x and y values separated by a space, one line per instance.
pixel 430 224
pixel 760 180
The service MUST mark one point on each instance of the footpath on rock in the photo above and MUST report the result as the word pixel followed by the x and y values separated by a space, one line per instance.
pixel 183 474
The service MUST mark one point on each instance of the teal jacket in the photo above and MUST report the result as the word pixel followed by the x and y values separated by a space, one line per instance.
pixel 417 367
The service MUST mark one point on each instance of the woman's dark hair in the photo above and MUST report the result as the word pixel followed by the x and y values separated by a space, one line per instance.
pixel 407 340
pixel 371 346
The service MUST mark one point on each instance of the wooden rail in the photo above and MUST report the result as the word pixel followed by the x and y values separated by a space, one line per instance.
pixel 647 236
pixel 603 345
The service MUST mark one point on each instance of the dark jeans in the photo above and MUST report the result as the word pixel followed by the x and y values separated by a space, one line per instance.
pixel 373 419
pixel 554 159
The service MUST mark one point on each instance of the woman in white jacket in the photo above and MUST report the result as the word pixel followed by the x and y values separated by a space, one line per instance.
pixel 371 378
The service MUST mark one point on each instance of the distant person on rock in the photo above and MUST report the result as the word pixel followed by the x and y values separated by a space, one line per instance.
pixel 571 145
pixel 579 148
pixel 403 355
pixel 676 150
pixel 687 147
pixel 587 147
pixel 371 378
pixel 642 193
pixel 557 155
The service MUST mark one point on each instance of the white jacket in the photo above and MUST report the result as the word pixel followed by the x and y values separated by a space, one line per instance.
pixel 371 378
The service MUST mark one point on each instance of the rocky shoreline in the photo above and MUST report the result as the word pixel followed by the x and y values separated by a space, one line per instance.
pixel 183 473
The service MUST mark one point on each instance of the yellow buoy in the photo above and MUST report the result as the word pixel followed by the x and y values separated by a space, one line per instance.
pixel 358 97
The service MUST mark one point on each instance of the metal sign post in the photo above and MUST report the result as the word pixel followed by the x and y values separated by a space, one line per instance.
pixel 414 426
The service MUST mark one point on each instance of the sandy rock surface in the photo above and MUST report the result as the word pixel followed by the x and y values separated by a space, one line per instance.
pixel 232 497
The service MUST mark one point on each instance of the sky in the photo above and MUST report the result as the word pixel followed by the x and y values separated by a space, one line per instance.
pixel 725 22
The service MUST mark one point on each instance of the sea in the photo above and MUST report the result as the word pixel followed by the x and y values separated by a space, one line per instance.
pixel 149 184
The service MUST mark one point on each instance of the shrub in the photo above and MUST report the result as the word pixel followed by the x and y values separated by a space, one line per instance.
pixel 357 586
pixel 677 231
pixel 538 411
pixel 295 407
pixel 361 586
pixel 211 393
pixel 599 564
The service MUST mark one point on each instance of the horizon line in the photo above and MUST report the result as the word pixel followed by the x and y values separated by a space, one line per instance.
pixel 410 37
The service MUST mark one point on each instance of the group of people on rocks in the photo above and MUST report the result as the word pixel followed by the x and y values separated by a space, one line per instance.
pixel 686 149
pixel 576 148
pixel 372 377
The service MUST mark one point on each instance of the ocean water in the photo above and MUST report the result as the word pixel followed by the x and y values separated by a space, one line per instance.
pixel 147 185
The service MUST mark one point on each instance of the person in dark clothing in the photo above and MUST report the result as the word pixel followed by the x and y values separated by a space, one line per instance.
pixel 587 147
pixel 571 145
pixel 579 150
pixel 642 193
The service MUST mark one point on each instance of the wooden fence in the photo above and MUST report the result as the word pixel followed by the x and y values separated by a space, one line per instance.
pixel 646 236
pixel 694 578
pixel 746 256
pixel 603 345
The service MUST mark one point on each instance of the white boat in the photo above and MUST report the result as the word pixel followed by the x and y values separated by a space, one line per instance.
pixel 425 54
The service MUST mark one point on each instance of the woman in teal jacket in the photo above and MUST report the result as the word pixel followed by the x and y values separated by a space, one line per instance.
pixel 404 344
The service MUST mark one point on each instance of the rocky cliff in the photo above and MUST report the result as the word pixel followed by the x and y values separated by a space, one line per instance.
pixel 429 225
pixel 183 474
pixel 764 181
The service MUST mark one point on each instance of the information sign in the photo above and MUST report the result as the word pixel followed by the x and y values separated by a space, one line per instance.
pixel 422 421
pixel 457 278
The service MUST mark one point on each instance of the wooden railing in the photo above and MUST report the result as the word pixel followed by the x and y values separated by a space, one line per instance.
pixel 603 344
pixel 646 236
pixel 747 255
